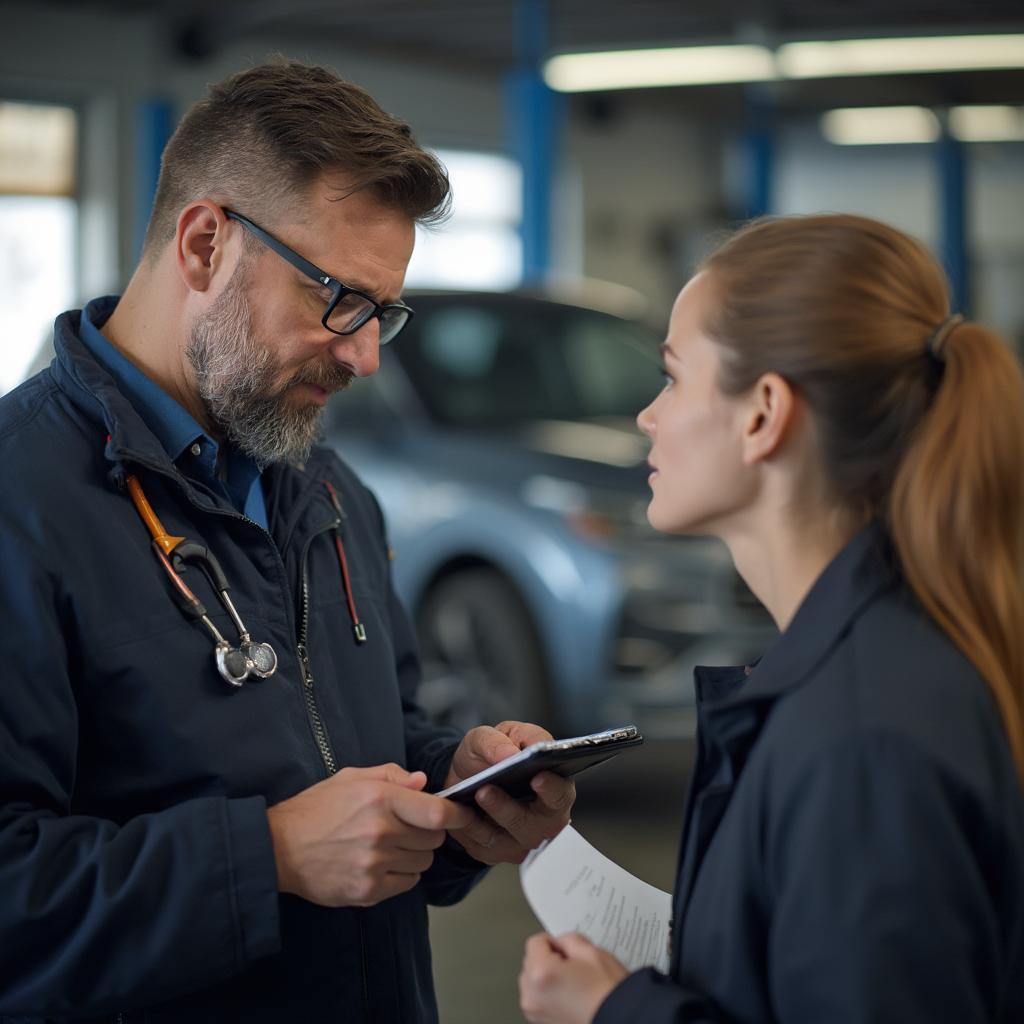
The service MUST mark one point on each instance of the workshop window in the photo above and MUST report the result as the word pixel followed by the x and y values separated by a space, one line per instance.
pixel 480 245
pixel 38 227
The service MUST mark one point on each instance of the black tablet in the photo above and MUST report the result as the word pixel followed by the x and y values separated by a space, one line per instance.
pixel 564 757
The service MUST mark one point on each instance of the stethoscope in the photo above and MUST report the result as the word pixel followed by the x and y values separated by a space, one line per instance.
pixel 235 663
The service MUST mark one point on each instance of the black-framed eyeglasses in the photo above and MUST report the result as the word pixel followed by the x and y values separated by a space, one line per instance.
pixel 348 308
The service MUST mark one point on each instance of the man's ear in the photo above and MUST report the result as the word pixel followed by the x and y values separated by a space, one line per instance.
pixel 199 243
pixel 770 413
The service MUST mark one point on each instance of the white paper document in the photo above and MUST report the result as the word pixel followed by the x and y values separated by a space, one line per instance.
pixel 572 887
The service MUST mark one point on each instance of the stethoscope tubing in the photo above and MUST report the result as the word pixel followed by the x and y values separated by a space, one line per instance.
pixel 235 664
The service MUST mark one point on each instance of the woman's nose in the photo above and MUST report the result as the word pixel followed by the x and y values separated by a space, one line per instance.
pixel 645 420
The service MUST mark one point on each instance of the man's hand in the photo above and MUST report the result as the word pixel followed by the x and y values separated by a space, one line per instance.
pixel 565 980
pixel 361 836
pixel 512 827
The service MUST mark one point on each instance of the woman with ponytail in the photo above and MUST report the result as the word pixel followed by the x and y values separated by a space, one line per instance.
pixel 853 842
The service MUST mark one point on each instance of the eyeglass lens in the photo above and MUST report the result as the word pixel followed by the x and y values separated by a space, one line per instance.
pixel 352 311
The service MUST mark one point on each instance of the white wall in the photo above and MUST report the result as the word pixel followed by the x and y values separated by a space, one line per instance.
pixel 648 178
pixel 900 185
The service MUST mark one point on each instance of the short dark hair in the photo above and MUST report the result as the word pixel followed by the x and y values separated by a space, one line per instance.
pixel 262 136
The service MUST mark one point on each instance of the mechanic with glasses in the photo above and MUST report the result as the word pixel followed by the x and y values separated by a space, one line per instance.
pixel 216 784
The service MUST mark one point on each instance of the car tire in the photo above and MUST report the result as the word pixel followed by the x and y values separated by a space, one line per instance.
pixel 482 659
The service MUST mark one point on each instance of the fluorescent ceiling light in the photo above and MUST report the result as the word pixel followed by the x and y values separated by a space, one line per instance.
pixel 987 124
pixel 900 56
pixel 873 126
pixel 704 65
pixel 678 65
pixel 867 126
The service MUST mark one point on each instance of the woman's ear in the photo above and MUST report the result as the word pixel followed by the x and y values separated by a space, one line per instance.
pixel 769 417
pixel 199 243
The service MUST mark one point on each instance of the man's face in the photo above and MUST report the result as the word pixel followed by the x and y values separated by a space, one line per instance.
pixel 264 364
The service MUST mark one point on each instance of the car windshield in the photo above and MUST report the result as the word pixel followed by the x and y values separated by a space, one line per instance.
pixel 481 363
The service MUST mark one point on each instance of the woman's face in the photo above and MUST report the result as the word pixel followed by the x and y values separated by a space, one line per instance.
pixel 698 480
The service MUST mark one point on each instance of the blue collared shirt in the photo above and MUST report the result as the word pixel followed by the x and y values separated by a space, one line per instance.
pixel 222 468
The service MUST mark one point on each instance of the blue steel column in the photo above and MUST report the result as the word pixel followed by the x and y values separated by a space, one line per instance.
pixel 154 125
pixel 532 116
pixel 952 173
pixel 759 154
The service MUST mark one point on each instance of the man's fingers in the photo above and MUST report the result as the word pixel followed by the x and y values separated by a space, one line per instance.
pixel 554 792
pixel 522 734
pixel 424 810
pixel 512 815
pixel 491 745
pixel 480 831
pixel 410 862
pixel 529 824
pixel 387 773
pixel 413 780
pixel 420 839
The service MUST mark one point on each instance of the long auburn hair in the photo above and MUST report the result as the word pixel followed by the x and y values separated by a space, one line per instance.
pixel 844 308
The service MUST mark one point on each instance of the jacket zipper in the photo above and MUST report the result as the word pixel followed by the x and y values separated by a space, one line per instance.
pixel 316 721
pixel 362 961
pixel 308 686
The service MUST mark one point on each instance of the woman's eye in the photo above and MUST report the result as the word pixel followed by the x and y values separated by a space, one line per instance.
pixel 667 378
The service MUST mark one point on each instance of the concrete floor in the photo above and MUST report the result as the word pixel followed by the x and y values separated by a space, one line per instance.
pixel 630 808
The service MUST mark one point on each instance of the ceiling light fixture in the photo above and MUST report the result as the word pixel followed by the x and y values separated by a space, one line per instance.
pixel 706 65
pixel 889 126
pixel 880 126
pixel 900 56
pixel 987 123
pixel 677 65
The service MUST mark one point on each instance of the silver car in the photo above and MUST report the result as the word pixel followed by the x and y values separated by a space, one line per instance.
pixel 499 436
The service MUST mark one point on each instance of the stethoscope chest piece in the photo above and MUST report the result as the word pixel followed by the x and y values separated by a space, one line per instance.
pixel 262 657
pixel 235 664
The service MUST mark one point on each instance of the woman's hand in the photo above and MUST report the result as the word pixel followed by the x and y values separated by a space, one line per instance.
pixel 565 980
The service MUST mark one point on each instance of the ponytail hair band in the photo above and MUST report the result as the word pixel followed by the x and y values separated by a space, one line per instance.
pixel 937 341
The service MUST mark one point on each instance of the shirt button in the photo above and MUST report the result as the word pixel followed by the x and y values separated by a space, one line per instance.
pixel 196 449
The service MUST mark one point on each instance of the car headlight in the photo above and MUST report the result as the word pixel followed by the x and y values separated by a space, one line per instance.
pixel 597 516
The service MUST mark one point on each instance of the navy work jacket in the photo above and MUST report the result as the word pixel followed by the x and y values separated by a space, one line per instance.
pixel 137 877
pixel 853 845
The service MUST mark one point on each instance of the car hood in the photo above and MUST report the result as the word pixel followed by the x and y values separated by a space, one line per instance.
pixel 614 443
pixel 608 455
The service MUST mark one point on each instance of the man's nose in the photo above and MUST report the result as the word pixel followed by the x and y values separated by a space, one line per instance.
pixel 359 351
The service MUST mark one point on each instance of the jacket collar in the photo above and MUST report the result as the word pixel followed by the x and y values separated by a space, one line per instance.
pixel 91 387
pixel 129 438
pixel 856 576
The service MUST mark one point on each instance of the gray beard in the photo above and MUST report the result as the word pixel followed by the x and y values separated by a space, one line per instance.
pixel 235 376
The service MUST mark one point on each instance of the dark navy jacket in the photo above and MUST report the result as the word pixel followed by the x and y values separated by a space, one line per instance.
pixel 854 834
pixel 136 870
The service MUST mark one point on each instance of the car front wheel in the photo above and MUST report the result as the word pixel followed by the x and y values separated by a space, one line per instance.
pixel 482 661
